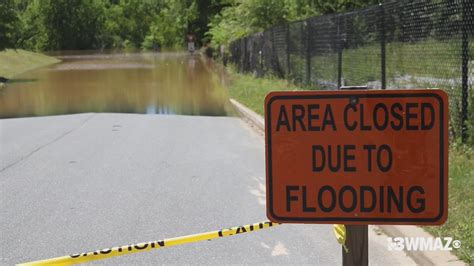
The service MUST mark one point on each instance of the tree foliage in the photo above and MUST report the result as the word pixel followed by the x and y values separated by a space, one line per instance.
pixel 168 29
pixel 8 21
pixel 94 24
pixel 71 24
pixel 128 22
pixel 105 24
pixel 244 17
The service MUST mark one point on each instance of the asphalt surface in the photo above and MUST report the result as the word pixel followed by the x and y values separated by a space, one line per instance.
pixel 84 182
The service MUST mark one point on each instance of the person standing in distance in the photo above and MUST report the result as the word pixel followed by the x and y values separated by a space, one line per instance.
pixel 191 39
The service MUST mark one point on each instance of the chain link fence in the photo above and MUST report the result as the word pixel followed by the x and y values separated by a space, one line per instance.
pixel 397 44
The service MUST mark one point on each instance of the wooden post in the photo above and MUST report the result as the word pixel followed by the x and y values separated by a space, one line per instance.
pixel 357 236
pixel 357 243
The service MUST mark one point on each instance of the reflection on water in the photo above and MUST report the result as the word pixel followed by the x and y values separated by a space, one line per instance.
pixel 149 83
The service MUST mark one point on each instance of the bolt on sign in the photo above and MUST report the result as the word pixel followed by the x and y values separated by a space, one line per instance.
pixel 357 157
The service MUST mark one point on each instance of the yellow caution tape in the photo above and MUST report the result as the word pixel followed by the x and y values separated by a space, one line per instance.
pixel 340 232
pixel 147 246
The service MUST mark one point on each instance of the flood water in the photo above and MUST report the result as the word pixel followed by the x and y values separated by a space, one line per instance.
pixel 148 83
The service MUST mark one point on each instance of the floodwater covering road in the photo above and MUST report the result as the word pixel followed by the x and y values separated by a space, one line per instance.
pixel 80 182
pixel 152 83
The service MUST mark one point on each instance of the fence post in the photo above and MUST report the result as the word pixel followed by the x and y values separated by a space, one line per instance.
pixel 382 47
pixel 244 54
pixel 260 52
pixel 308 51
pixel 465 70
pixel 339 47
pixel 288 65
pixel 273 56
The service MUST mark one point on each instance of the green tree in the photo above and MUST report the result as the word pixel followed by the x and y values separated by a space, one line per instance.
pixel 244 17
pixel 72 24
pixel 8 24
pixel 206 9
pixel 63 24
pixel 171 24
pixel 128 21
pixel 333 6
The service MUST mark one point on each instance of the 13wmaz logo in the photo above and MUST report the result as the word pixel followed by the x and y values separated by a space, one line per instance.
pixel 422 243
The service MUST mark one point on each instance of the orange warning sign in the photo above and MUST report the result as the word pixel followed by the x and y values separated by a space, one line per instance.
pixel 357 157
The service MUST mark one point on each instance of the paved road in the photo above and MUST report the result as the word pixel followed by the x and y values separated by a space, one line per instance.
pixel 81 182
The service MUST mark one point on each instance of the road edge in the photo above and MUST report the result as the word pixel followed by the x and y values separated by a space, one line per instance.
pixel 420 257
pixel 255 120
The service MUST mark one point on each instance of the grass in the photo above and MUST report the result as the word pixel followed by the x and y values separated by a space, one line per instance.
pixel 14 62
pixel 460 223
pixel 431 58
pixel 438 60
pixel 251 92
